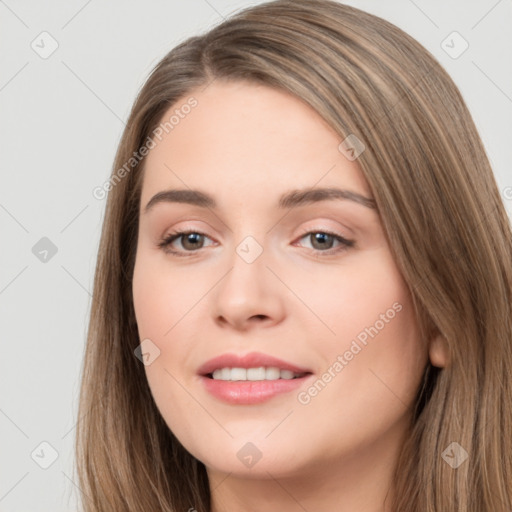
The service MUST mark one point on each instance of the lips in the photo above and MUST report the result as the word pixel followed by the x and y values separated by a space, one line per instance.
pixel 250 360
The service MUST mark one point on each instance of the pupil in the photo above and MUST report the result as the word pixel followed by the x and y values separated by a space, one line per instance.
pixel 191 238
pixel 321 237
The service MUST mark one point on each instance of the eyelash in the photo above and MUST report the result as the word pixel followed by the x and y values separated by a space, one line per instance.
pixel 165 243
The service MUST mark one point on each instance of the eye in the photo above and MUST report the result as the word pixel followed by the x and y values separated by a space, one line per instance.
pixel 191 241
pixel 322 242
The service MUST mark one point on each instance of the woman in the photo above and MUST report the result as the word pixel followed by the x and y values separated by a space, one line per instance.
pixel 233 362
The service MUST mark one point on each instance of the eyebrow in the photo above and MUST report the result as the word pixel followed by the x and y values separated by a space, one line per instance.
pixel 290 199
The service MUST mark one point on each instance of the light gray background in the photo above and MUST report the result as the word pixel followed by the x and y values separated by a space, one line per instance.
pixel 61 121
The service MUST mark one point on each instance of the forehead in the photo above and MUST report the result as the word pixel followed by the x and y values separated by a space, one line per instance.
pixel 247 139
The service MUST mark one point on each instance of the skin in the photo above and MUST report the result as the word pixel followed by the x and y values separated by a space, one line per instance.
pixel 245 145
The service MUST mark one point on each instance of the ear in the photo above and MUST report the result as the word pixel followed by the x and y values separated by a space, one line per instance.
pixel 438 351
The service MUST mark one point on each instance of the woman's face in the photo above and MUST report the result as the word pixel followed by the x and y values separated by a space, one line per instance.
pixel 310 282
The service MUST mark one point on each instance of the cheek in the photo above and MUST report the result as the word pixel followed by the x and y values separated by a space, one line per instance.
pixel 352 297
pixel 168 311
pixel 160 301
pixel 160 297
pixel 376 335
pixel 151 300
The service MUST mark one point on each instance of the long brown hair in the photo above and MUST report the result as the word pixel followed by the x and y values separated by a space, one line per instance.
pixel 441 212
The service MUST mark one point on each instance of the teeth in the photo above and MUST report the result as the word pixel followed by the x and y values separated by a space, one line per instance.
pixel 255 374
pixel 261 373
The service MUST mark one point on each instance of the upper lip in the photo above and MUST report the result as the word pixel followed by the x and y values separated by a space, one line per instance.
pixel 250 360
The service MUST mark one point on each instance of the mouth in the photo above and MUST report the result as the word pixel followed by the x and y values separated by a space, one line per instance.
pixel 261 373
pixel 241 391
pixel 250 366
pixel 251 378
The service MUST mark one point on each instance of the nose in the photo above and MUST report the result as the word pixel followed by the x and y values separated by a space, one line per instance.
pixel 250 294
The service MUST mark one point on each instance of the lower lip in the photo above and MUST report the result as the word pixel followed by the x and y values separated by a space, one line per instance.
pixel 250 392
